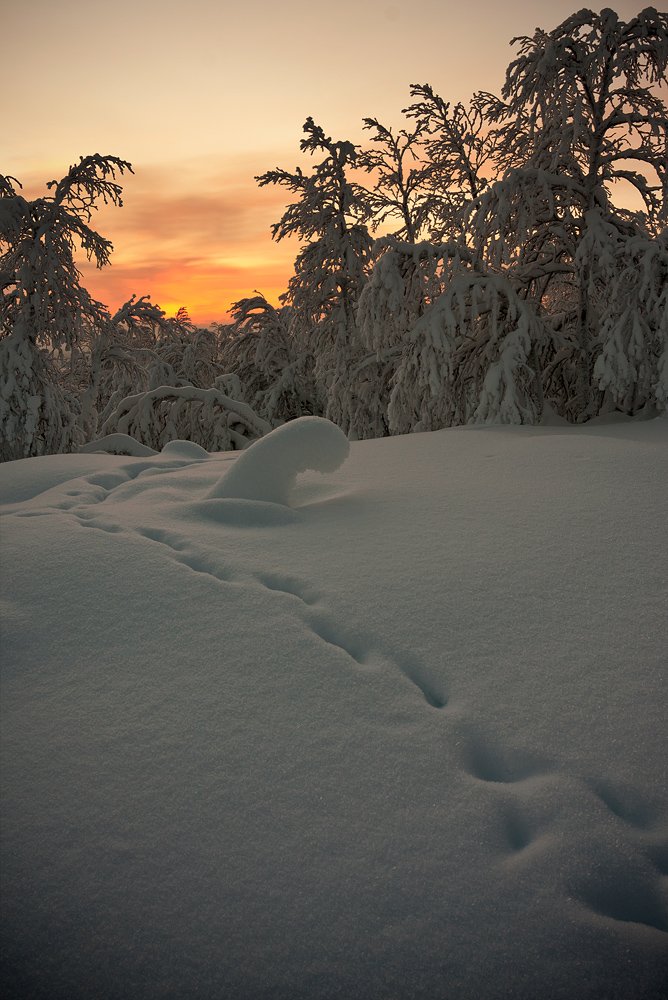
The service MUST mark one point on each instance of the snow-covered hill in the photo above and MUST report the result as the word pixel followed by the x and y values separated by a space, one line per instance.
pixel 401 738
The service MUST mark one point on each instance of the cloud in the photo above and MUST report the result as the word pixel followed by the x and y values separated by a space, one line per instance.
pixel 198 210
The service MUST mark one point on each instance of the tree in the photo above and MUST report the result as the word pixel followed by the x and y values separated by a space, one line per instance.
pixel 580 100
pixel 330 267
pixel 123 359
pixel 580 114
pixel 458 152
pixel 44 307
pixel 43 299
pixel 468 358
pixel 400 191
pixel 209 417
pixel 632 366
pixel 273 366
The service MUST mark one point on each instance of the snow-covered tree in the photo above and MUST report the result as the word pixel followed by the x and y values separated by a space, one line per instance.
pixel 44 308
pixel 207 417
pixel 37 416
pixel 157 378
pixel 272 361
pixel 400 195
pixel 469 358
pixel 327 217
pixel 631 366
pixel 121 355
pixel 43 299
pixel 185 354
pixel 580 113
pixel 458 152
pixel 405 280
pixel 581 100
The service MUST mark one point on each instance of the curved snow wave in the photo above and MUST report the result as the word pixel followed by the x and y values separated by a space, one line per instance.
pixel 268 469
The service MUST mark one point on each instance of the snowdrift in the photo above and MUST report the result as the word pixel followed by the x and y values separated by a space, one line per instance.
pixel 404 737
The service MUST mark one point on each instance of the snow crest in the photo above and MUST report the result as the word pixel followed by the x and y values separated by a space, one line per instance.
pixel 268 469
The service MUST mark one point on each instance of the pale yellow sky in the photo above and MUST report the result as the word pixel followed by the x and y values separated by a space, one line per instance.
pixel 200 96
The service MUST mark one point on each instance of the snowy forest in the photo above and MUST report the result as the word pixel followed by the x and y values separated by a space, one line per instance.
pixel 474 266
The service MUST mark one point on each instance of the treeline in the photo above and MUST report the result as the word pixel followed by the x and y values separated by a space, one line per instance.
pixel 484 272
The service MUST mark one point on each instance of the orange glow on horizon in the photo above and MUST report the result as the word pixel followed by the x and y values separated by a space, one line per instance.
pixel 205 288
pixel 203 245
pixel 218 95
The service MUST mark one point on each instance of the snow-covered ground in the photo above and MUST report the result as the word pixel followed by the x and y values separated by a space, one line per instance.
pixel 403 736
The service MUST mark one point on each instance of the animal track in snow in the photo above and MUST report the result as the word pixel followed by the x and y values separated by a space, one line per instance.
pixel 522 782
pixel 517 829
pixel 500 765
pixel 354 647
pixel 198 563
pixel 88 522
pixel 417 672
pixel 361 649
pixel 364 651
pixel 631 807
pixel 625 884
pixel 627 894
pixel 658 855
pixel 288 586
pixel 626 804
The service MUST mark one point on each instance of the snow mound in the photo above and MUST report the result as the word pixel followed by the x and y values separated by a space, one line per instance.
pixel 268 469
pixel 118 444
pixel 185 449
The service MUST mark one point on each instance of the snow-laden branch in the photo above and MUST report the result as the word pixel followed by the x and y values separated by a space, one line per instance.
pixel 206 416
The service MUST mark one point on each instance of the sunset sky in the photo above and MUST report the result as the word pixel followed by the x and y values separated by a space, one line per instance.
pixel 201 96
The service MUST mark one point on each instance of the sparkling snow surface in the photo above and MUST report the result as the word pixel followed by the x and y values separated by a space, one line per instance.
pixel 403 738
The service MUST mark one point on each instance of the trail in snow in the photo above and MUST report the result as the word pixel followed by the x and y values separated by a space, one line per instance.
pixel 621 890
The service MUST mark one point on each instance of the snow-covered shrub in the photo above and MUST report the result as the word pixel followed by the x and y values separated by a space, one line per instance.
pixel 185 355
pixel 121 353
pixel 206 417
pixel 358 397
pixel 140 349
pixel 405 279
pixel 272 362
